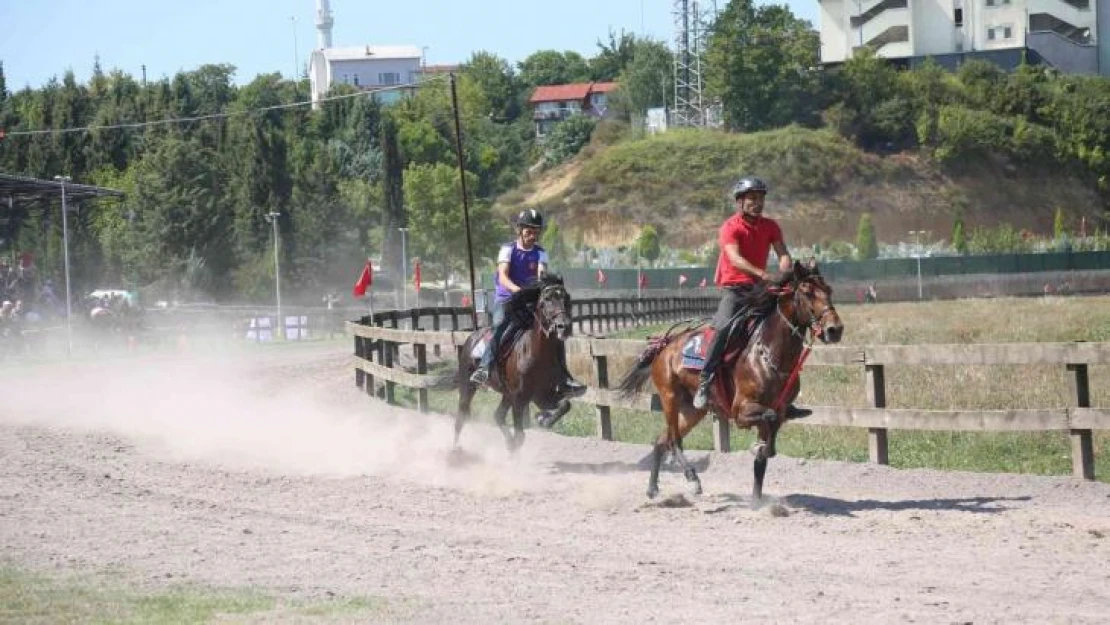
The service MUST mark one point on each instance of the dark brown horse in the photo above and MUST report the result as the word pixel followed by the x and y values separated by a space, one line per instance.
pixel 531 365
pixel 748 388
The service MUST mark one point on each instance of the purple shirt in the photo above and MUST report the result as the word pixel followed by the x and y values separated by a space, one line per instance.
pixel 524 267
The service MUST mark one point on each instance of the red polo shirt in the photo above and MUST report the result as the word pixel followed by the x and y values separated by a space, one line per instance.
pixel 755 240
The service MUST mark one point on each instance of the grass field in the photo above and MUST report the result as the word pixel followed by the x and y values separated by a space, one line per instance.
pixel 29 599
pixel 937 388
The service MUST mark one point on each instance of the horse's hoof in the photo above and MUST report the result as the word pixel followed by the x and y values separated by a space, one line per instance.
pixel 544 418
pixel 652 491
pixel 695 487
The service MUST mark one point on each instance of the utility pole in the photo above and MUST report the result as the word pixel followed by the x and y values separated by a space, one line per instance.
pixel 62 180
pixel 404 271
pixel 272 217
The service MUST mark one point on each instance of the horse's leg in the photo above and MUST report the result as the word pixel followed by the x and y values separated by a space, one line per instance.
pixel 466 395
pixel 657 452
pixel 467 390
pixel 688 470
pixel 764 449
pixel 765 421
pixel 549 419
pixel 681 418
pixel 520 409
pixel 499 419
pixel 690 417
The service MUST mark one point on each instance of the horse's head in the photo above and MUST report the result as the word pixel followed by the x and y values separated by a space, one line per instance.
pixel 553 307
pixel 813 305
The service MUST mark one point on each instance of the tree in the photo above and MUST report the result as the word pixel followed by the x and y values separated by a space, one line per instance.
pixel 551 67
pixel 495 77
pixel 959 236
pixel 178 214
pixel 1059 225
pixel 867 248
pixel 647 244
pixel 863 87
pixel 435 214
pixel 556 247
pixel 761 64
pixel 568 137
pixel 613 57
pixel 393 186
pixel 647 81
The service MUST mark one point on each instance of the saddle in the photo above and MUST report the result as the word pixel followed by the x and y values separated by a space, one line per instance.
pixel 481 343
pixel 695 350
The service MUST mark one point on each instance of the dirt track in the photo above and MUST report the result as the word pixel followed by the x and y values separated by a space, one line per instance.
pixel 245 472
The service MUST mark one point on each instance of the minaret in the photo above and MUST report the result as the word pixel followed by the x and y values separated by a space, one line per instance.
pixel 323 25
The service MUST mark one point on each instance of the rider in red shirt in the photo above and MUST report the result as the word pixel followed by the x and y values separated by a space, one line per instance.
pixel 746 239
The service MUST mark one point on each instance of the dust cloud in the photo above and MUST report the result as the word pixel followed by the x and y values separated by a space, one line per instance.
pixel 232 413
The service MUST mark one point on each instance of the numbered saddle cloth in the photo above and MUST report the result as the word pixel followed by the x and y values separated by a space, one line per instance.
pixel 696 348
pixel 481 344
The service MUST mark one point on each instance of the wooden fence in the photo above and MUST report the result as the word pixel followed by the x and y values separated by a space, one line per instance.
pixel 372 339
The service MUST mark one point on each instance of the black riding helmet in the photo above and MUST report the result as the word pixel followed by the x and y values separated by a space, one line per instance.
pixel 748 184
pixel 529 218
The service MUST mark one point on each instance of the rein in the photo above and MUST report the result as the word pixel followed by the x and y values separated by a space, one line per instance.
pixel 549 328
pixel 797 330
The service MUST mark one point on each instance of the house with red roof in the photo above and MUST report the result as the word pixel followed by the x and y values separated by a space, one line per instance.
pixel 552 104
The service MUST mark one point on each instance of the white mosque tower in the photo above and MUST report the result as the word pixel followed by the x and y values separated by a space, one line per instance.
pixel 370 68
pixel 323 25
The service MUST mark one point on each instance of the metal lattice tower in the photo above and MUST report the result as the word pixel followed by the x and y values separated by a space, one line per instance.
pixel 692 20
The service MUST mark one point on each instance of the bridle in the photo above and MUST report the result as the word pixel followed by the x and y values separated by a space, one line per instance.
pixel 814 324
pixel 547 325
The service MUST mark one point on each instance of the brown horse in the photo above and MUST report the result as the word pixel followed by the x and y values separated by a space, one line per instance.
pixel 531 364
pixel 749 385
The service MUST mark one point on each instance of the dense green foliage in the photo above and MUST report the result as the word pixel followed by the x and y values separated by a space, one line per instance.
pixel 346 177
pixel 867 247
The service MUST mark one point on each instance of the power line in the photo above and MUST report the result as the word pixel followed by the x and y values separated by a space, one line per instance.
pixel 185 120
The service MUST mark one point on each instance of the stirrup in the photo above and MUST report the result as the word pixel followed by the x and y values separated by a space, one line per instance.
pixel 480 376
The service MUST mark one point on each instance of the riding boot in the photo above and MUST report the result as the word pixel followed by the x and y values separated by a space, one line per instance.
pixel 716 351
pixel 570 387
pixel 701 397
pixel 796 412
pixel 481 374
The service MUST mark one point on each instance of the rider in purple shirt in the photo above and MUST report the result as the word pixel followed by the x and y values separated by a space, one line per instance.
pixel 519 264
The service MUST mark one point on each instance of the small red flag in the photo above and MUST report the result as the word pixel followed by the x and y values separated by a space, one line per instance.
pixel 601 278
pixel 416 275
pixel 643 280
pixel 681 279
pixel 364 280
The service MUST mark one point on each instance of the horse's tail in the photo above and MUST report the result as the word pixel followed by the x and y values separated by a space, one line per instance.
pixel 635 377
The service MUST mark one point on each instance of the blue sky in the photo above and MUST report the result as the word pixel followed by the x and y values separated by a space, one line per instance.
pixel 44 38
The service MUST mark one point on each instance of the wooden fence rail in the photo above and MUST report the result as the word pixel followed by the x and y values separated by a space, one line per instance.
pixel 374 341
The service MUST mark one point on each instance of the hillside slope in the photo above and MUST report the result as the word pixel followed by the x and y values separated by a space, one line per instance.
pixel 820 185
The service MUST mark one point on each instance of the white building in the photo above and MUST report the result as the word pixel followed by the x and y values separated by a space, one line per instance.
pixel 1062 33
pixel 365 67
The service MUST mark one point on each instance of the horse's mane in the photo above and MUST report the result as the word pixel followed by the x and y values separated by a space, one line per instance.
pixel 761 300
pixel 522 303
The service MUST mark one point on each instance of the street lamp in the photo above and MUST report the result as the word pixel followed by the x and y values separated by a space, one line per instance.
pixel 62 180
pixel 404 271
pixel 272 217
pixel 917 234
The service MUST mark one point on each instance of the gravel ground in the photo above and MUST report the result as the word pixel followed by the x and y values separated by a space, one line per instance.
pixel 270 471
